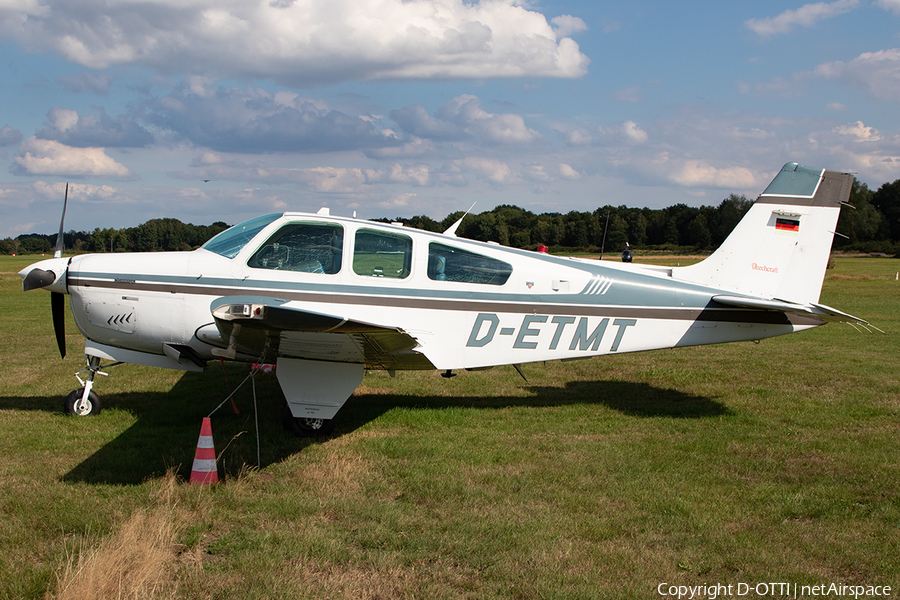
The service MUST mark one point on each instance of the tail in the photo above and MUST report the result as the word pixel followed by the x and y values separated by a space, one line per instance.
pixel 780 249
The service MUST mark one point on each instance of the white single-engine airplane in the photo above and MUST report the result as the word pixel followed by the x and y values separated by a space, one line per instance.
pixel 328 297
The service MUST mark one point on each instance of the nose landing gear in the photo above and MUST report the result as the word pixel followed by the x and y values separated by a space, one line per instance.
pixel 84 401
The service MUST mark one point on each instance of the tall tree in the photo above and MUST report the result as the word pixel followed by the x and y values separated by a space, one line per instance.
pixel 887 201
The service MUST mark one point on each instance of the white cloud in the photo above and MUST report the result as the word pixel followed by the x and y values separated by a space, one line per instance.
pixel 47 157
pixel 9 136
pixel 464 118
pixel 807 16
pixel 891 5
pixel 701 173
pixel 63 119
pixel 491 169
pixel 418 175
pixel 566 25
pixel 90 131
pixel 304 42
pixel 535 173
pixel 332 180
pixel 578 137
pixel 466 111
pixel 250 119
pixel 877 72
pixel 79 192
pixel 415 148
pixel 324 179
pixel 397 201
pixel 628 133
pixel 859 132
pixel 634 133
pixel 568 172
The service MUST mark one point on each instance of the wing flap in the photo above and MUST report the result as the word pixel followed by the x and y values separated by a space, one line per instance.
pixel 265 327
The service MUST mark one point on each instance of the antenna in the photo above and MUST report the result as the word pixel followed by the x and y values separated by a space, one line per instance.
pixel 452 229
pixel 603 243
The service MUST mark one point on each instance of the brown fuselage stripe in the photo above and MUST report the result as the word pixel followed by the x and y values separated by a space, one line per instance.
pixel 667 313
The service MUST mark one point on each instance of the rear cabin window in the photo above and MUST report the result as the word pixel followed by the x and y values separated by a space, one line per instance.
pixel 381 254
pixel 303 248
pixel 446 263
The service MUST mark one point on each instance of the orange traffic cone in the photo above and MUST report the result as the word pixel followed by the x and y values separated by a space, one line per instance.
pixel 204 470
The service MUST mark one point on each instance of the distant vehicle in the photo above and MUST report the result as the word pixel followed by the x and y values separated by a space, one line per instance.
pixel 327 297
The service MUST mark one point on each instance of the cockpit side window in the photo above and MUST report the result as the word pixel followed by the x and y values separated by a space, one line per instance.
pixel 446 263
pixel 230 242
pixel 382 254
pixel 303 248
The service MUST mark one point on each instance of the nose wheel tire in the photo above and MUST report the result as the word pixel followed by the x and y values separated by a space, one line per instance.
pixel 91 407
pixel 304 426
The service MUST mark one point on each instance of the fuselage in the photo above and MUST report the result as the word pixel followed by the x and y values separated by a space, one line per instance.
pixel 467 304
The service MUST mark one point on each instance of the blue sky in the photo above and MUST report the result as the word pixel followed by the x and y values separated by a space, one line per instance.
pixel 404 107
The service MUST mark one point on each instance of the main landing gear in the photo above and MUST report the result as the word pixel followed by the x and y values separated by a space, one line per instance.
pixel 304 426
pixel 84 401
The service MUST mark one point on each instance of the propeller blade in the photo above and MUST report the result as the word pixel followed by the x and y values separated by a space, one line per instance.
pixel 58 308
pixel 60 240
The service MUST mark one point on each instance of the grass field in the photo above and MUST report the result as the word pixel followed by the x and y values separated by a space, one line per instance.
pixel 603 478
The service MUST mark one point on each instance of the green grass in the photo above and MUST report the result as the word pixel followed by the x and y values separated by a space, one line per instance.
pixel 595 479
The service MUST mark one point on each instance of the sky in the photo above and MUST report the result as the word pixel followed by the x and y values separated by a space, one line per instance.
pixel 223 110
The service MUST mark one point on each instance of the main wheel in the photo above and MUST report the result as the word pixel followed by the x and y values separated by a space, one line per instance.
pixel 305 427
pixel 92 407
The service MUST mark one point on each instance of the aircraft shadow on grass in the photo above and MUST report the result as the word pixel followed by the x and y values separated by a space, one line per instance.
pixel 167 424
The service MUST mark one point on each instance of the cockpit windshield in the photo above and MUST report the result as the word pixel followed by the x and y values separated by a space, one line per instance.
pixel 231 241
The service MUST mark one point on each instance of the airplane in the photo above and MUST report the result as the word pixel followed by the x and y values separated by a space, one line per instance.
pixel 327 297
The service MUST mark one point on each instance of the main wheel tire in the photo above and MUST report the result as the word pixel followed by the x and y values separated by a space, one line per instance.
pixel 305 427
pixel 93 403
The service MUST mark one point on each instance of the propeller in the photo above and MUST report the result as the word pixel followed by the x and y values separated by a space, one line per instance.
pixel 44 275
pixel 58 309
pixel 57 301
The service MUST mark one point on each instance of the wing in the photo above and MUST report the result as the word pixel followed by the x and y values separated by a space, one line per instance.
pixel 266 328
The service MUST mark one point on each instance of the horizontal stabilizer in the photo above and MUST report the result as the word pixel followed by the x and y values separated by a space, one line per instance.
pixel 760 303
pixel 826 313
pixel 832 314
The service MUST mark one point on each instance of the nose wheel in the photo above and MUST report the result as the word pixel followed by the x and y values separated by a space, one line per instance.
pixel 84 401
pixel 77 404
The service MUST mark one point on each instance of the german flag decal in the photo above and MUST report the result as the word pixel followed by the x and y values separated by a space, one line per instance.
pixel 787 225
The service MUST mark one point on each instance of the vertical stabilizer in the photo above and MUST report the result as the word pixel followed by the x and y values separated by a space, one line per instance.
pixel 780 248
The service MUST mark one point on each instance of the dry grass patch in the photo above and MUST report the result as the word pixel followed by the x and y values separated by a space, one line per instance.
pixel 386 579
pixel 335 468
pixel 138 561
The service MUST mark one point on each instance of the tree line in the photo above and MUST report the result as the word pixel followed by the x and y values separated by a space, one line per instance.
pixel 872 225
pixel 156 235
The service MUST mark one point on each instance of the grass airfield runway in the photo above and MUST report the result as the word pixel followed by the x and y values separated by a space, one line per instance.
pixel 602 478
